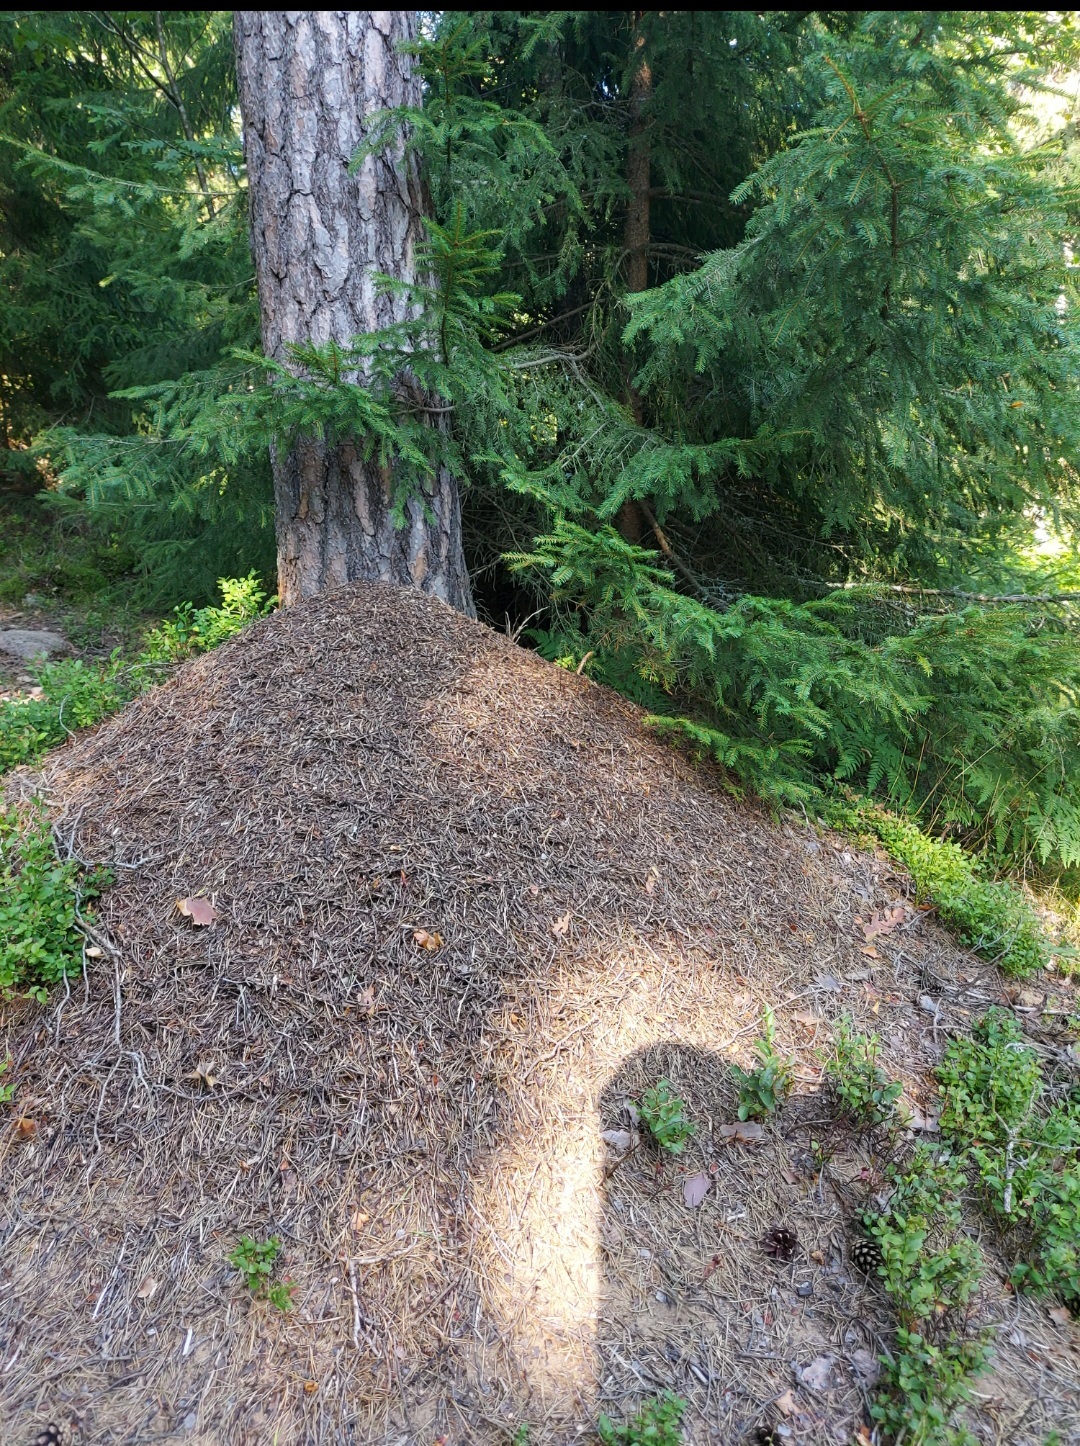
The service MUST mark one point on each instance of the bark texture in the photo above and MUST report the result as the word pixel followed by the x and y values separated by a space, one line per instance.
pixel 308 81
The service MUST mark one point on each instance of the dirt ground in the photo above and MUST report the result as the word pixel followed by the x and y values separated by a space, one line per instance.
pixel 466 910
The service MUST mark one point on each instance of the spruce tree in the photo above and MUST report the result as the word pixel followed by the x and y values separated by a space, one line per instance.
pixel 780 483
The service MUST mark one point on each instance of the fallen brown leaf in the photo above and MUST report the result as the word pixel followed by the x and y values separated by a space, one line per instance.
pixel 95 953
pixel 786 1404
pixel 146 1290
pixel 866 1366
pixel 310 1387
pixel 617 1139
pixel 199 911
pixel 882 921
pixel 203 1074
pixel 365 1000
pixel 1061 1314
pixel 695 1189
pixel 428 940
pixel 561 924
pixel 25 1127
pixel 818 1375
pixel 746 1132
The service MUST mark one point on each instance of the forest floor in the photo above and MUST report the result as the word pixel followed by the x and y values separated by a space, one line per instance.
pixel 465 910
pixel 60 576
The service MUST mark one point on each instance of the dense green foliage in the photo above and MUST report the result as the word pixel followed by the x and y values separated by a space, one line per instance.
pixel 1024 1147
pixel 40 896
pixel 768 496
pixel 931 1271
pixel 124 260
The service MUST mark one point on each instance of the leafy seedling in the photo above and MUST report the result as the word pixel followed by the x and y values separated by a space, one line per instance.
pixel 255 1259
pixel 863 1088
pixel 762 1091
pixel 656 1424
pixel 663 1114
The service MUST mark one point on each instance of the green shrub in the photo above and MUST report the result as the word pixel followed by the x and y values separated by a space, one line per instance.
pixel 1027 1155
pixel 931 1270
pixel 861 1085
pixel 762 1091
pixel 993 917
pixel 255 1260
pixel 663 1114
pixel 197 630
pixel 76 695
pixel 656 1424
pixel 39 894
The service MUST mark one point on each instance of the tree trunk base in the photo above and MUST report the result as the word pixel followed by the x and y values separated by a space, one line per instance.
pixel 336 524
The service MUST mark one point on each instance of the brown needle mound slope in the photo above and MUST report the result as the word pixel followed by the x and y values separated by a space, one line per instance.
pixel 422 1127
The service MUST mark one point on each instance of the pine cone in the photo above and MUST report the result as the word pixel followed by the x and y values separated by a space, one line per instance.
pixel 780 1242
pixel 866 1254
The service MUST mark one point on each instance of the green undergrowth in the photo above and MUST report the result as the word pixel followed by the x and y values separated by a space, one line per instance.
pixel 1014 1136
pixel 255 1261
pixel 41 897
pixel 764 1089
pixel 663 1115
pixel 76 694
pixel 657 1423
pixel 862 1088
pixel 1021 1139
pixel 56 559
pixel 931 1270
pixel 993 917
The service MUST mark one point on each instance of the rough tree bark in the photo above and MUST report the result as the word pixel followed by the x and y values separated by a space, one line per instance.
pixel 308 81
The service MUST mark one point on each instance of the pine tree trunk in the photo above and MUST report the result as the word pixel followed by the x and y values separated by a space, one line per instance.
pixel 631 519
pixel 308 80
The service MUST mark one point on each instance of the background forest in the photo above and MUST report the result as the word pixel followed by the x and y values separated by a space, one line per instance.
pixel 757 335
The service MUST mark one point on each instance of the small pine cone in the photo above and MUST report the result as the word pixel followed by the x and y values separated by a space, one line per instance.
pixel 780 1242
pixel 866 1254
pixel 51 1436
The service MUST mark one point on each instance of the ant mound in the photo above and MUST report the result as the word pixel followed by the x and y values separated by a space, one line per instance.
pixel 455 911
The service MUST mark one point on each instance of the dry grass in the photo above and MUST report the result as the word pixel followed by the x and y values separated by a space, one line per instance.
pixel 422 1128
